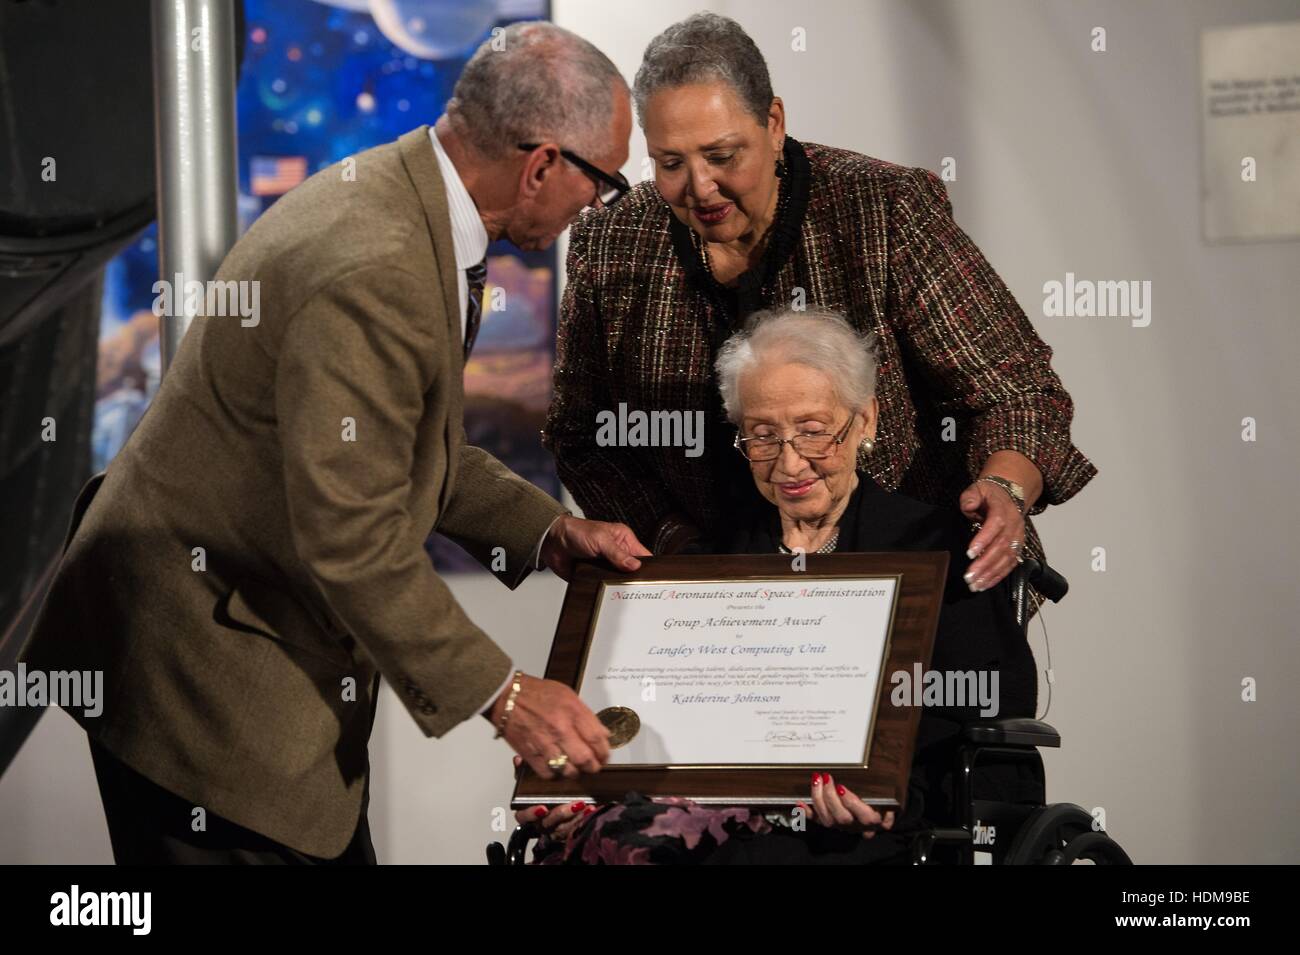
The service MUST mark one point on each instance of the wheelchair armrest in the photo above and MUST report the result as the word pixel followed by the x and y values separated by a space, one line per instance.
pixel 925 842
pixel 1012 731
pixel 517 850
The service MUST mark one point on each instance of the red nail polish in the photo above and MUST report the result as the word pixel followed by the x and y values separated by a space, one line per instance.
pixel 840 790
pixel 539 811
pixel 817 779
pixel 826 779
pixel 589 810
pixel 577 806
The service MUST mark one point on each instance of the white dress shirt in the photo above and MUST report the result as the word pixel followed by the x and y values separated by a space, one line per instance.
pixel 468 234
pixel 470 239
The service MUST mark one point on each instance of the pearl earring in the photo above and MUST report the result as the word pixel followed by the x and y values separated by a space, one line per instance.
pixel 864 453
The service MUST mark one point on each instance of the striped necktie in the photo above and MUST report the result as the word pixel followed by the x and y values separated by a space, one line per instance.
pixel 477 275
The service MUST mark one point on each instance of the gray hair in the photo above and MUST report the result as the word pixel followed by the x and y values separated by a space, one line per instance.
pixel 703 48
pixel 535 82
pixel 822 340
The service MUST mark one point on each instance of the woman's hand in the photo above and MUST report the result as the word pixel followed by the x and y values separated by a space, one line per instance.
pixel 835 806
pixel 995 549
pixel 557 821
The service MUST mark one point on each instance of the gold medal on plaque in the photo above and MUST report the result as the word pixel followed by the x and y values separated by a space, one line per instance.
pixel 623 724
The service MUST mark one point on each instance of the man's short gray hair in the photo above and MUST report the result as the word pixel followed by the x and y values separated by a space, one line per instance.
pixel 536 82
pixel 705 48
pixel 821 340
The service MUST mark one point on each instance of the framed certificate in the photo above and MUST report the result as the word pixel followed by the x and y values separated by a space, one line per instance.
pixel 731 679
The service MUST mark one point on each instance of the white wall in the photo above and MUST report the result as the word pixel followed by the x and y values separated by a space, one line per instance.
pixel 1067 161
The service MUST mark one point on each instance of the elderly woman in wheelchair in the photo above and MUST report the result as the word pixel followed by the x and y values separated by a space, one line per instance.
pixel 799 387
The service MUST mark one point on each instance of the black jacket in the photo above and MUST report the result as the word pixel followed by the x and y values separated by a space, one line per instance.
pixel 977 631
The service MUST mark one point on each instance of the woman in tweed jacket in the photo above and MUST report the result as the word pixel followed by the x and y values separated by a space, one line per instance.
pixel 741 217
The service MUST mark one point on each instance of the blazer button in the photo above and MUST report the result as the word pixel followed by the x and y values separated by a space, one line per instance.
pixel 417 695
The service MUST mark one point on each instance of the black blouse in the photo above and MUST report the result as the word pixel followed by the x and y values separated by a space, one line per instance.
pixel 753 289
pixel 977 631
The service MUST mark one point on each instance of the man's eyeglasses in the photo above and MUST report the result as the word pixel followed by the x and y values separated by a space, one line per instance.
pixel 811 445
pixel 609 189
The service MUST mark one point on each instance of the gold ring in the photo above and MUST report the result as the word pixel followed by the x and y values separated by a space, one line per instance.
pixel 558 763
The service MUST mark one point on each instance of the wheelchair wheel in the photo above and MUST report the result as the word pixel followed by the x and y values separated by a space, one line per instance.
pixel 1062 834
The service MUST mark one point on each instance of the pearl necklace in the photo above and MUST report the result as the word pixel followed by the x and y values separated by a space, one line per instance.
pixel 827 548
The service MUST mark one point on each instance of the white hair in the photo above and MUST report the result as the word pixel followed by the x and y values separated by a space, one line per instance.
pixel 822 340
pixel 532 83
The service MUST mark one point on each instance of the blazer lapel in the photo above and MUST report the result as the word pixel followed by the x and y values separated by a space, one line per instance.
pixel 422 166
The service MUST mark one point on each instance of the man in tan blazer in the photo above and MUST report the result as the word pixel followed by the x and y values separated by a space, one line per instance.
pixel 253 561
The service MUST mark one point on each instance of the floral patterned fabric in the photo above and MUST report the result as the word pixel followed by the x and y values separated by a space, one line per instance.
pixel 638 831
pixel 672 830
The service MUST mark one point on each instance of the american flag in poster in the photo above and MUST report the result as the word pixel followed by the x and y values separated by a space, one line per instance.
pixel 276 175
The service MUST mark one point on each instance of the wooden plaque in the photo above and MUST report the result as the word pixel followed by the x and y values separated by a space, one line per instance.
pixel 879 778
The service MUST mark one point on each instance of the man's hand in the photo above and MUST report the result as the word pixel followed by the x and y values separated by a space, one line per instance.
pixel 571 538
pixel 549 721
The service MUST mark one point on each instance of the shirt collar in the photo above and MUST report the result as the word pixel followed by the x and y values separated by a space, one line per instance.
pixel 468 235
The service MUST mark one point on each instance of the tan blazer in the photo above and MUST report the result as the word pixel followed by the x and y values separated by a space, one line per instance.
pixel 254 560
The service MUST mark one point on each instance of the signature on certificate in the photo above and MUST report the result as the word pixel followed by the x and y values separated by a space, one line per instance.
pixel 799 736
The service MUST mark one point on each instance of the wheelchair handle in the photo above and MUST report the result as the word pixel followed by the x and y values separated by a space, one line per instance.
pixel 1045 580
pixel 1036 574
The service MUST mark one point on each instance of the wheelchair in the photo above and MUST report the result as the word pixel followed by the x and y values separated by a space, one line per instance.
pixel 1025 833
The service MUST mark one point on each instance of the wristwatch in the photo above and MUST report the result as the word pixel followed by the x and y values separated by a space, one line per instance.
pixel 1011 487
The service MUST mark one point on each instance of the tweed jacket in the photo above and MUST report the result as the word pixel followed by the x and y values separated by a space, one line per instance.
pixel 254 558
pixel 961 371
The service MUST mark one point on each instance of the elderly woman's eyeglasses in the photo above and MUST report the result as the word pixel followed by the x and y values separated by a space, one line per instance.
pixel 811 445
pixel 609 189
